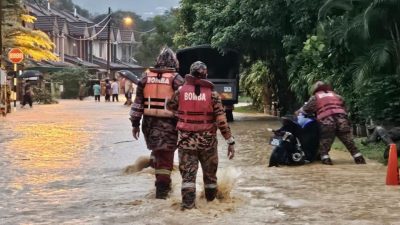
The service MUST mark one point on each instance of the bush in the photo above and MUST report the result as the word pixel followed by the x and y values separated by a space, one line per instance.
pixel 257 83
pixel 42 96
pixel 71 78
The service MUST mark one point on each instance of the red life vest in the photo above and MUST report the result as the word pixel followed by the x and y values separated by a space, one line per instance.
pixel 157 92
pixel 195 112
pixel 328 103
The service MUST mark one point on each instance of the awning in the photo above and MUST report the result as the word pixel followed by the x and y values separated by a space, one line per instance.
pixel 117 66
pixel 43 66
pixel 31 73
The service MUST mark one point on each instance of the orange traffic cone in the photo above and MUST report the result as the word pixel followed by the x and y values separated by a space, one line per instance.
pixel 392 176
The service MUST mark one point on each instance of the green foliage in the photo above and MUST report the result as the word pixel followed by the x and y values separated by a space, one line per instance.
pixel 380 98
pixel 166 26
pixel 117 20
pixel 255 28
pixel 307 67
pixel 354 45
pixel 33 43
pixel 256 82
pixel 374 151
pixel 42 96
pixel 365 35
pixel 247 109
pixel 71 78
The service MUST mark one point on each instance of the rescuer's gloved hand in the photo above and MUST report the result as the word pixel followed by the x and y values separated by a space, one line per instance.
pixel 136 132
pixel 231 151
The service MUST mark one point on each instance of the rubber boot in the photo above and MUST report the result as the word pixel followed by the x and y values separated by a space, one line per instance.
pixel 327 161
pixel 188 200
pixel 162 191
pixel 210 193
pixel 359 160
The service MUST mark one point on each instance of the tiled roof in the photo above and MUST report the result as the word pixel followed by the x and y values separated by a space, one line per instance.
pixel 77 29
pixel 46 23
pixel 35 10
pixel 115 32
pixel 103 35
pixel 61 22
pixel 127 36
pixel 77 18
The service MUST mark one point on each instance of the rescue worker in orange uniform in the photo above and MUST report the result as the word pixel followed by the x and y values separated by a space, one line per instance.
pixel 200 112
pixel 332 117
pixel 159 124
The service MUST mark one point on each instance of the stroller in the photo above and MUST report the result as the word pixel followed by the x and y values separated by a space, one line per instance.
pixel 296 142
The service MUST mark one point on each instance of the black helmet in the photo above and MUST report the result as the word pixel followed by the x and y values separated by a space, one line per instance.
pixel 167 59
pixel 198 69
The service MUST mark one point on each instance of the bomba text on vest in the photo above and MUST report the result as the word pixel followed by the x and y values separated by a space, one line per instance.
pixel 193 97
pixel 155 80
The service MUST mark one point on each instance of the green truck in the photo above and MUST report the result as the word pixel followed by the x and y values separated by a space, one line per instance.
pixel 223 71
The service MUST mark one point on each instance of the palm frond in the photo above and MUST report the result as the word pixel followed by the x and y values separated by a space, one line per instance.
pixel 370 63
pixel 329 5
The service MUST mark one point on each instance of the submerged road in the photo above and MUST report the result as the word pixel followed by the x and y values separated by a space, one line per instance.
pixel 64 164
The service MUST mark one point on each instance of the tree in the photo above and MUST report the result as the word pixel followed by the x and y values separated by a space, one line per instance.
pixel 256 82
pixel 117 19
pixel 370 32
pixel 261 30
pixel 33 43
pixel 165 28
pixel 71 78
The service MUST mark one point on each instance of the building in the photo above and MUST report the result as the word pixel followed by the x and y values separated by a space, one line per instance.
pixel 80 42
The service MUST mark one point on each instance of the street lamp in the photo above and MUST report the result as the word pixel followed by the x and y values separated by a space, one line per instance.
pixel 128 21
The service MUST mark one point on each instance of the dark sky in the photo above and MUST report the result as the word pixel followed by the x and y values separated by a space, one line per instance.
pixel 145 8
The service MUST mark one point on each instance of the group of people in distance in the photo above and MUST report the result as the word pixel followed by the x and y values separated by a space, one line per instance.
pixel 113 89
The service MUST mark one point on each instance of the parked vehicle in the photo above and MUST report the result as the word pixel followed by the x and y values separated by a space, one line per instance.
pixel 223 71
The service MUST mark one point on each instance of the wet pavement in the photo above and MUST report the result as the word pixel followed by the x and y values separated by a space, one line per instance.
pixel 64 164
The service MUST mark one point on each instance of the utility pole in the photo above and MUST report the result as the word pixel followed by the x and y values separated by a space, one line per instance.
pixel 108 42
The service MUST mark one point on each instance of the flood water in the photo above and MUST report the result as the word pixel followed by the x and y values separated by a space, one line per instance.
pixel 65 163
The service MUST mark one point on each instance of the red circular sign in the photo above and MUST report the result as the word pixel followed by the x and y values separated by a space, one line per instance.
pixel 15 55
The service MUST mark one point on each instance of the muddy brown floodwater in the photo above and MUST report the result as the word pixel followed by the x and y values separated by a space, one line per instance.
pixel 73 163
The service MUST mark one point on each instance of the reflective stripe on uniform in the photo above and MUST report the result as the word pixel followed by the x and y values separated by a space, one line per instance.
pixel 325 157
pixel 357 155
pixel 163 172
pixel 209 186
pixel 188 185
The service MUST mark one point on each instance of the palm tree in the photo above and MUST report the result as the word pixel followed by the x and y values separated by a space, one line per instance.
pixel 370 31
pixel 371 26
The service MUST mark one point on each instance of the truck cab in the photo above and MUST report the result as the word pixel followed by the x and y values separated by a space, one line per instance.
pixel 223 71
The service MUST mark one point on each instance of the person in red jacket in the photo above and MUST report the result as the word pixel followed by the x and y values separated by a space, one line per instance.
pixel 159 124
pixel 332 116
pixel 200 113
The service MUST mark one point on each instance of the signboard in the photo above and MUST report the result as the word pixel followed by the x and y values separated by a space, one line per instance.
pixel 15 55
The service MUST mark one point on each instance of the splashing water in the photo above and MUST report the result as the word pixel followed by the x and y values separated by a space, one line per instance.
pixel 140 163
pixel 227 178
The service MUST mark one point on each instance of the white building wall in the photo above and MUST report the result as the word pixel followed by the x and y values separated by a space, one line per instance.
pixel 96 48
pixel 119 51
